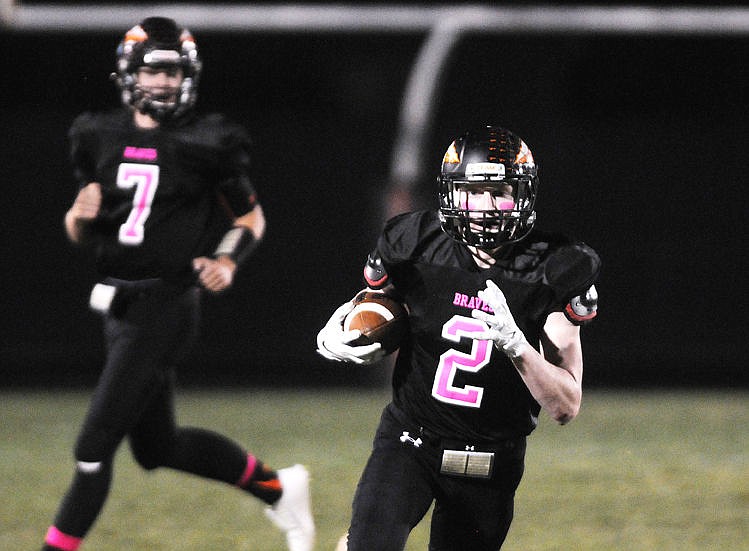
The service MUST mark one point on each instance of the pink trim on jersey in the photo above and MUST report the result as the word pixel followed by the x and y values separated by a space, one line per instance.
pixel 248 470
pixel 55 538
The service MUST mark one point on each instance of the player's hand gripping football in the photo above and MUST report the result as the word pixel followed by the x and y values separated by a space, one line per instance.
pixel 333 341
pixel 503 330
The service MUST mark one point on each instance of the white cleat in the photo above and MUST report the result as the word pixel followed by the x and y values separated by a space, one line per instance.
pixel 292 513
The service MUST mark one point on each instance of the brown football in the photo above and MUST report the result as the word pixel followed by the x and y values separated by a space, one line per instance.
pixel 379 318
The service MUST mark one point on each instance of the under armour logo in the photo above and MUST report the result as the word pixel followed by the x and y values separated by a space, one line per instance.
pixel 406 438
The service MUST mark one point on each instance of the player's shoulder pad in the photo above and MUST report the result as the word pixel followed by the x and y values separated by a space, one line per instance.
pixel 404 218
pixel 83 121
pixel 405 233
pixel 225 127
pixel 213 131
pixel 403 239
pixel 571 270
pixel 90 122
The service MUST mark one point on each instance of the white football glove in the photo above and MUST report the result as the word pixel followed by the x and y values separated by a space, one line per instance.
pixel 503 330
pixel 333 341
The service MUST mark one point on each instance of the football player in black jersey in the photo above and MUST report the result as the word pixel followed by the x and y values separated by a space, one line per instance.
pixel 495 309
pixel 159 186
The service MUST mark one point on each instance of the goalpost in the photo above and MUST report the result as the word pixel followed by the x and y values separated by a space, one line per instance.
pixel 443 28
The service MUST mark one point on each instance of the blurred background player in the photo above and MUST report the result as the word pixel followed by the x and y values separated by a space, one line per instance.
pixel 495 314
pixel 159 185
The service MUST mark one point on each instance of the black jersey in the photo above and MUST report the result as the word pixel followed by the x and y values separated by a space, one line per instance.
pixel 163 189
pixel 448 382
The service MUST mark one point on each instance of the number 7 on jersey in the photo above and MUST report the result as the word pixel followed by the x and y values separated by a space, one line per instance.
pixel 145 178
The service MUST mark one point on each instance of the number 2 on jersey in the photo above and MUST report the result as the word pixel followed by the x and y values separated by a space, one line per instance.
pixel 451 361
pixel 145 178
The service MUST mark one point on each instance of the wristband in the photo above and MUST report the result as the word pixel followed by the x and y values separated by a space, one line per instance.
pixel 238 244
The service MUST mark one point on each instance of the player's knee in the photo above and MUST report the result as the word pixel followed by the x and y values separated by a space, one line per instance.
pixel 91 449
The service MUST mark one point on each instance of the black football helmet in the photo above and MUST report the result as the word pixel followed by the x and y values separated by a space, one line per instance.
pixel 488 159
pixel 158 42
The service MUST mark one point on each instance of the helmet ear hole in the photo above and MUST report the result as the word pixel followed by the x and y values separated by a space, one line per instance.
pixel 490 159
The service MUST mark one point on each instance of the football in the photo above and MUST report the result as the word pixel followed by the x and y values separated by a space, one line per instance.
pixel 379 318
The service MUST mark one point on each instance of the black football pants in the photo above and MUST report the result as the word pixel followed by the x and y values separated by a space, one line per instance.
pixel 401 480
pixel 146 336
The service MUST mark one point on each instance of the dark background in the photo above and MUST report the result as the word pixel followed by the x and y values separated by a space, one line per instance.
pixel 642 145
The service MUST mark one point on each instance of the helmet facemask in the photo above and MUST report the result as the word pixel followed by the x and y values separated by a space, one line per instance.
pixel 487 189
pixel 157 43
pixel 508 219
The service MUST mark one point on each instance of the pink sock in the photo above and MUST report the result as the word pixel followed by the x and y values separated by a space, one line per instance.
pixel 248 470
pixel 55 538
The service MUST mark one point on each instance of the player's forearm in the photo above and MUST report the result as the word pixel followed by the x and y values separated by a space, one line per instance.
pixel 253 221
pixel 555 388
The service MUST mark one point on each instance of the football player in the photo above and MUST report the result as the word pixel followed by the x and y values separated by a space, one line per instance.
pixel 166 207
pixel 495 313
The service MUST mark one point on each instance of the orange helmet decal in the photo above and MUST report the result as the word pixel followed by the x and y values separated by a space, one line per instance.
pixel 451 155
pixel 524 156
pixel 136 34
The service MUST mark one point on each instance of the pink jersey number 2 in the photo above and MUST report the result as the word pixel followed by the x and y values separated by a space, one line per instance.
pixel 145 178
pixel 451 361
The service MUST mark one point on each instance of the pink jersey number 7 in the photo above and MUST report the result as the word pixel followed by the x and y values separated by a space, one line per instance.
pixel 145 178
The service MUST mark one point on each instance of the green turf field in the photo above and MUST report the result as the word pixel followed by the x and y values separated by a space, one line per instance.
pixel 635 471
